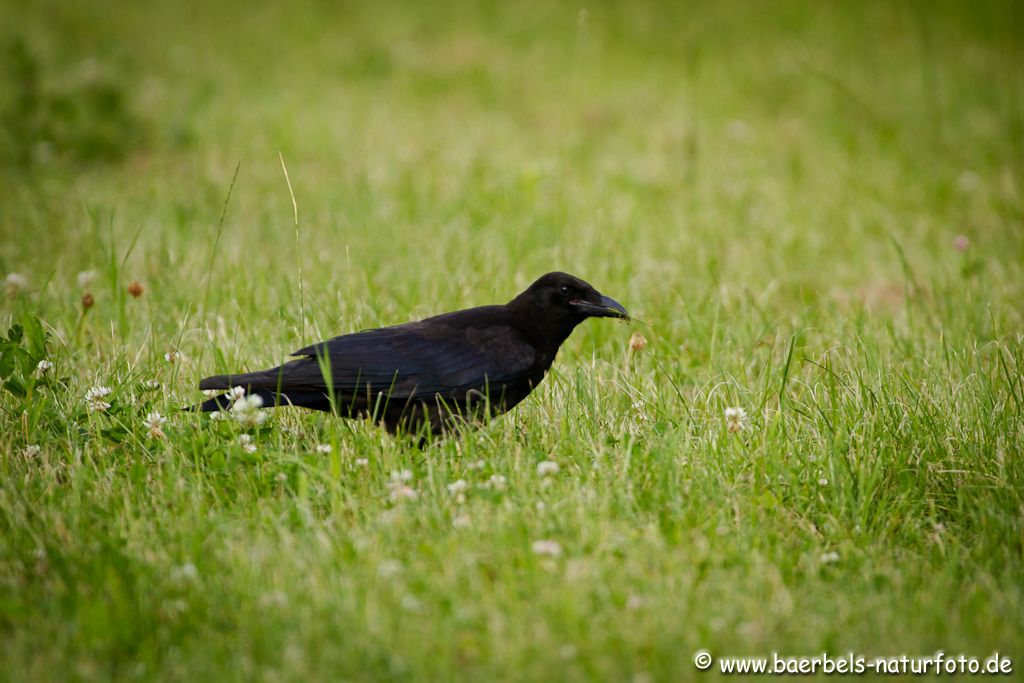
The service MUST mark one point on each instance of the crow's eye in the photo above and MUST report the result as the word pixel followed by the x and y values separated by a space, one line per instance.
pixel 564 290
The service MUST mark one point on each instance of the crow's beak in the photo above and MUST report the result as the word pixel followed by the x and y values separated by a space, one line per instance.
pixel 606 308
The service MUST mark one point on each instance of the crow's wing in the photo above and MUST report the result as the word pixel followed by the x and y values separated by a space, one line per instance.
pixel 415 359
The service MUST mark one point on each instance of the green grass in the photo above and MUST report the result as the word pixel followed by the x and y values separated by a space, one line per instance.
pixel 774 189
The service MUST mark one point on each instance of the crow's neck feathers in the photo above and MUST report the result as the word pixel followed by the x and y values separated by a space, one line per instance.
pixel 542 326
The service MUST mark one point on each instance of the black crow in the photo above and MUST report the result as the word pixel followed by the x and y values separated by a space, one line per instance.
pixel 434 373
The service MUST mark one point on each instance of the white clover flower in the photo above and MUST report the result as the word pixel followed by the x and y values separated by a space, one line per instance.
pixel 399 491
pixel 251 419
pixel 186 572
pixel 14 283
pixel 398 487
pixel 458 486
pixel 155 421
pixel 829 557
pixel 739 130
pixel 362 462
pixel 275 598
pixel 968 181
pixel 389 568
pixel 547 548
pixel 547 467
pixel 245 439
pixel 94 397
pixel 85 278
pixel 233 394
pixel 478 465
pixel 248 404
pixel 497 482
pixel 43 367
pixel 151 385
pixel 736 419
pixel 323 448
pixel 172 357
pixel 249 448
pixel 823 482
pixel 246 411
pixel 211 393
pixel 410 603
pixel 401 476
pixel 219 415
pixel 31 451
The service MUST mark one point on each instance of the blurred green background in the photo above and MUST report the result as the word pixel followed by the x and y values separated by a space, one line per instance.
pixel 813 208
pixel 658 140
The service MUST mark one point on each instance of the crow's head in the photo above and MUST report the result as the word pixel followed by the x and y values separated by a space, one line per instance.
pixel 562 296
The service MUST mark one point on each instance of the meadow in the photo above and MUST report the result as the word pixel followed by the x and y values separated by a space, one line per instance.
pixel 813 210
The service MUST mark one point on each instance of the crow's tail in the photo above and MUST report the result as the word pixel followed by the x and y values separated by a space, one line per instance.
pixel 266 384
pixel 225 382
pixel 316 400
pixel 212 405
